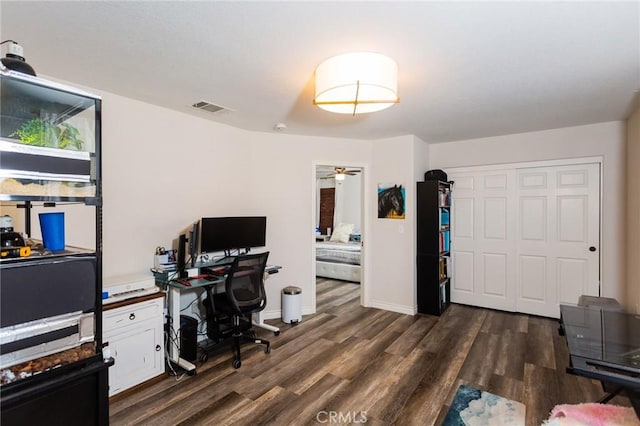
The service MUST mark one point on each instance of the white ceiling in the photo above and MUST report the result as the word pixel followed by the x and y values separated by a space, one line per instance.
pixel 466 69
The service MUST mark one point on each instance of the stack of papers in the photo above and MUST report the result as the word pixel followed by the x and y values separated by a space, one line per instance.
pixel 165 267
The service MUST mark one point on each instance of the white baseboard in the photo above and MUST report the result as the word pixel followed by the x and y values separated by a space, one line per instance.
pixel 401 309
pixel 277 314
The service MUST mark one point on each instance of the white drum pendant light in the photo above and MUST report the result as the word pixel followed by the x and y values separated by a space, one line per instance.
pixel 356 83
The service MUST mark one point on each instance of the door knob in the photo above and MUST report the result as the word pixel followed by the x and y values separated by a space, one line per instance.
pixel 592 248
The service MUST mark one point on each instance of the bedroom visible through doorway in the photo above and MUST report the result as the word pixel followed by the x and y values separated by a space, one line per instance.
pixel 338 210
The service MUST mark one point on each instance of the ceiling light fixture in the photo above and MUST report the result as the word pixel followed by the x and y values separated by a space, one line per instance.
pixel 356 83
pixel 340 176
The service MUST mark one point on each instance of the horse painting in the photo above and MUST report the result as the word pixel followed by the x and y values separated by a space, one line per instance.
pixel 391 202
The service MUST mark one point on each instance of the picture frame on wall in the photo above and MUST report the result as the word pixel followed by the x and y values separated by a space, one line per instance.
pixel 391 201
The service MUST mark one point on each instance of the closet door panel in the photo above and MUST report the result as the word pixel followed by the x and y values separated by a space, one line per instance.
pixel 533 278
pixel 483 226
pixel 558 221
pixel 526 239
pixel 464 274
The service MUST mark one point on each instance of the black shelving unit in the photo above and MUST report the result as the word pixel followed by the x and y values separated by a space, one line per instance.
pixel 51 302
pixel 433 261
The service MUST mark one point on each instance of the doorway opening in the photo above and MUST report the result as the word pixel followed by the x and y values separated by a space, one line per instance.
pixel 338 246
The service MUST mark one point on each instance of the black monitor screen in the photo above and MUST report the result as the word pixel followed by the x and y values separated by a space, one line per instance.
pixel 228 233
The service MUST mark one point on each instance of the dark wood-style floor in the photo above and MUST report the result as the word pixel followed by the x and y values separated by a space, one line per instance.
pixel 364 363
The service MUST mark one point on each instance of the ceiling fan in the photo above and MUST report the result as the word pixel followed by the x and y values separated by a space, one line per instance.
pixel 339 173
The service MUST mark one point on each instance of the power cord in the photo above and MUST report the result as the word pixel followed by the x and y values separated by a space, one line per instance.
pixel 197 299
pixel 173 340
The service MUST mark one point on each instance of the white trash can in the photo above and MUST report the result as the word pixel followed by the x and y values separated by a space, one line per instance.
pixel 291 305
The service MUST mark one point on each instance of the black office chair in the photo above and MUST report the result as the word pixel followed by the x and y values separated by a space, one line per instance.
pixel 244 295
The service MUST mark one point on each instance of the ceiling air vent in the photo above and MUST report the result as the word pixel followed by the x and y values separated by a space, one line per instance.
pixel 208 106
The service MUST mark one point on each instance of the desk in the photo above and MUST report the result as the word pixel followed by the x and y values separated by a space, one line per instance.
pixel 175 288
pixel 604 345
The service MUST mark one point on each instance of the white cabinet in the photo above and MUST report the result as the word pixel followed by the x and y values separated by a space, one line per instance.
pixel 133 331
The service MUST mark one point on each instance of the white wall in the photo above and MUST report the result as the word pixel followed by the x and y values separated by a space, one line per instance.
pixel 633 213
pixel 348 201
pixel 602 139
pixel 393 240
pixel 420 165
pixel 163 170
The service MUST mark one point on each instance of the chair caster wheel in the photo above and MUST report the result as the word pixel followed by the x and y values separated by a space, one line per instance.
pixel 277 333
pixel 203 358
pixel 267 350
pixel 192 372
pixel 236 364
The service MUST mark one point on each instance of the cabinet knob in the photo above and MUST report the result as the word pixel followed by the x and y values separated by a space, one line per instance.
pixel 132 317
pixel 158 348
pixel 592 248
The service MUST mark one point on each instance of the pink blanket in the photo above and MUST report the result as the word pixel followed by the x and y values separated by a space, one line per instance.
pixel 593 414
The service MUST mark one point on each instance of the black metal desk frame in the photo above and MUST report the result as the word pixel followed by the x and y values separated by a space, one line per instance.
pixel 176 286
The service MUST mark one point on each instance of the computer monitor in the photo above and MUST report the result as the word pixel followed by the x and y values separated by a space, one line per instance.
pixel 180 261
pixel 193 243
pixel 230 233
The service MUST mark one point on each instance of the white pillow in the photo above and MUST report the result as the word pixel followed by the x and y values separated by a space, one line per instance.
pixel 341 233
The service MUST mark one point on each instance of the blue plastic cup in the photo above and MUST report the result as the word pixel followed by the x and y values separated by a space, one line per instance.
pixel 52 228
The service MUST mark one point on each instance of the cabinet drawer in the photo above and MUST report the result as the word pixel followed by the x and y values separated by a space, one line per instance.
pixel 132 314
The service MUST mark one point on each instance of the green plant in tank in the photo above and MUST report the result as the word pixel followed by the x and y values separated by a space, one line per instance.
pixel 34 132
pixel 68 136
pixel 39 132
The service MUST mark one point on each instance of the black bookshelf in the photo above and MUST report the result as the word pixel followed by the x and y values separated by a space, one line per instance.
pixel 433 261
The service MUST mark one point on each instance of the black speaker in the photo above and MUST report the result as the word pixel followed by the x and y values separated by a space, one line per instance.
pixel 188 338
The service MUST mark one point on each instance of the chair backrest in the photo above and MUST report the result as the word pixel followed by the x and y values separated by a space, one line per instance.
pixel 245 283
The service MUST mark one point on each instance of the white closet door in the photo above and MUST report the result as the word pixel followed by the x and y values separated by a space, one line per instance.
pixel 483 234
pixel 557 237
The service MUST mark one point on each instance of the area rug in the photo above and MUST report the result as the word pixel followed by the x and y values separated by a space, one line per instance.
pixel 592 414
pixel 473 407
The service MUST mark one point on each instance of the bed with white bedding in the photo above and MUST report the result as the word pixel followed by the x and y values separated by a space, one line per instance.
pixel 338 261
